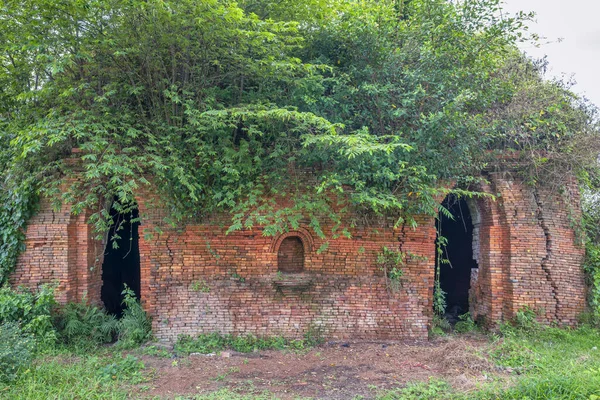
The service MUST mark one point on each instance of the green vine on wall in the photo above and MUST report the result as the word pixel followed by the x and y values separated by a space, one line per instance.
pixel 391 263
pixel 439 295
pixel 18 204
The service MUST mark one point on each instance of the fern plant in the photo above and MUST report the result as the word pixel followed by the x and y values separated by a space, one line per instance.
pixel 82 325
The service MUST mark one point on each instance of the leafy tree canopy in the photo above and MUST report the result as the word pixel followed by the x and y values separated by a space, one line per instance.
pixel 225 106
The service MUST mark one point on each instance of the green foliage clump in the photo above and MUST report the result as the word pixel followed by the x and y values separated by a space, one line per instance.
pixel 31 324
pixel 439 298
pixel 200 286
pixel 37 313
pixel 591 227
pixel 391 261
pixel 134 327
pixel 30 310
pixel 18 202
pixel 205 343
pixel 525 319
pixel 465 324
pixel 85 326
pixel 16 351
pixel 313 336
pixel 439 325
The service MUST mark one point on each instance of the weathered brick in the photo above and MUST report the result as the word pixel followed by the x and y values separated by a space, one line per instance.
pixel 195 278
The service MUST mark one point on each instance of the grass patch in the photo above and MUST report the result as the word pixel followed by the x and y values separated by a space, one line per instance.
pixel 215 342
pixel 543 363
pixel 64 376
pixel 552 363
pixel 226 394
pixel 434 389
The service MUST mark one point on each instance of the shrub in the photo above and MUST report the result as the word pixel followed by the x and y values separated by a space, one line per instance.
pixel 30 310
pixel 589 318
pixel 16 351
pixel 465 324
pixel 390 262
pixel 134 327
pixel 84 326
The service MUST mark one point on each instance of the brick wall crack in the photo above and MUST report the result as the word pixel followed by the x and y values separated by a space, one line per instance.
pixel 171 255
pixel 402 238
pixel 546 259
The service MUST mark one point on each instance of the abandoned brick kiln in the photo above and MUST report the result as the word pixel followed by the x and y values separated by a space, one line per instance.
pixel 517 251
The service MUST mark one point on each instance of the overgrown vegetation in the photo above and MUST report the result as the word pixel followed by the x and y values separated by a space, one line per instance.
pixel 226 107
pixel 32 324
pixel 531 361
pixel 134 327
pixel 99 376
pixel 334 105
pixel 31 311
pixel 16 351
pixel 591 225
pixel 84 326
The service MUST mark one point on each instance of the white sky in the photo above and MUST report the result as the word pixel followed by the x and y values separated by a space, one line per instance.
pixel 577 23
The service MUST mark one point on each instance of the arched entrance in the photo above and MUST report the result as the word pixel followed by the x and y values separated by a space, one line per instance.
pixel 456 261
pixel 121 264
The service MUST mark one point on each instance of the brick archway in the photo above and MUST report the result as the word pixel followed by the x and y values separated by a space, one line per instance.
pixel 303 234
pixel 489 289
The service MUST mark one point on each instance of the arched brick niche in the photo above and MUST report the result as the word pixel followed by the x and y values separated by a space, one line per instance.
pixel 290 255
pixel 292 250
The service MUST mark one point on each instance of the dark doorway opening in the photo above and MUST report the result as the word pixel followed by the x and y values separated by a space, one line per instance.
pixel 121 264
pixel 455 275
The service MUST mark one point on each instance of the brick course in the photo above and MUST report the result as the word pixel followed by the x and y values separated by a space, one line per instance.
pixel 524 244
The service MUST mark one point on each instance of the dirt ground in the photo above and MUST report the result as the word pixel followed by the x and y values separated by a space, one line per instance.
pixel 336 370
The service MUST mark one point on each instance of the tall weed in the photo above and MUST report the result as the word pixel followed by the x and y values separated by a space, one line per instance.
pixel 134 327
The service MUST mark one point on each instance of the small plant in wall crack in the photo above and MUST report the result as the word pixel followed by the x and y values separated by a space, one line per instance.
pixel 391 262
pixel 235 276
pixel 200 286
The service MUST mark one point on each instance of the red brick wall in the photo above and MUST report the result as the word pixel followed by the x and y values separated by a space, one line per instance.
pixel 195 278
pixel 545 262
pixel 60 250
pixel 529 256
pixel 202 280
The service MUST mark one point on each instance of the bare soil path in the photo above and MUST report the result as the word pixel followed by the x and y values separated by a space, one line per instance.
pixel 340 370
